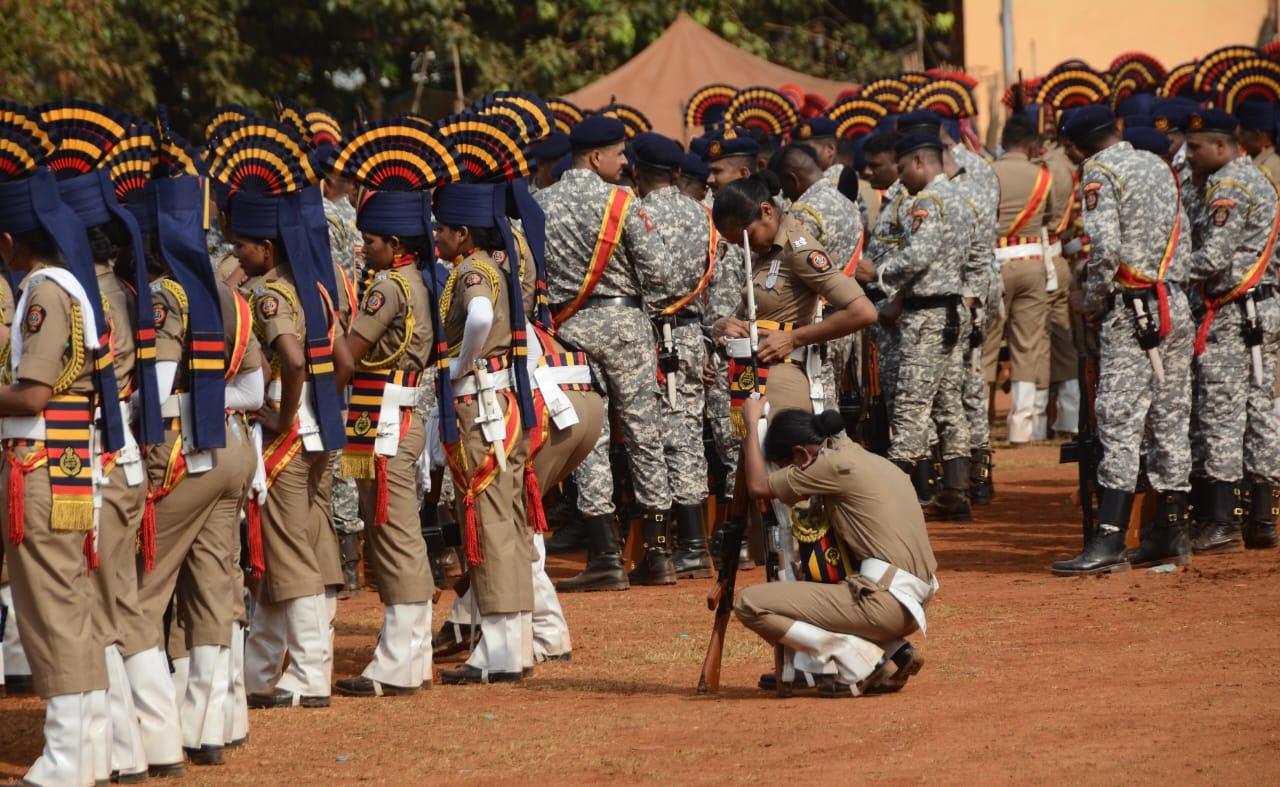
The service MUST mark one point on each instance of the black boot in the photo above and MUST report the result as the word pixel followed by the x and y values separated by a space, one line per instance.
pixel 349 551
pixel 952 503
pixel 1164 540
pixel 1198 505
pixel 655 567
pixel 1221 532
pixel 1104 553
pixel 1260 530
pixel 570 536
pixel 691 559
pixel 745 562
pixel 921 473
pixel 982 488
pixel 604 569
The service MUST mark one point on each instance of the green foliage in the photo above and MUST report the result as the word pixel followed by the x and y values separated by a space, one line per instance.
pixel 195 54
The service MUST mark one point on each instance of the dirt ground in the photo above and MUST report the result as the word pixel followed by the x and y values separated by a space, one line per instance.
pixel 1029 678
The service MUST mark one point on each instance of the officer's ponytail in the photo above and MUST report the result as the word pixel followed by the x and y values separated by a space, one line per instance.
pixel 792 428
pixel 738 203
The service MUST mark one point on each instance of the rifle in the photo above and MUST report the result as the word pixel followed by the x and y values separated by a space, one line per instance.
pixel 1085 450
pixel 720 599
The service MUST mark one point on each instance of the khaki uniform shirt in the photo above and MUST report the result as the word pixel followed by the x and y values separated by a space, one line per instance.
pixel 476 276
pixel 119 310
pixel 47 339
pixel 803 273
pixel 382 319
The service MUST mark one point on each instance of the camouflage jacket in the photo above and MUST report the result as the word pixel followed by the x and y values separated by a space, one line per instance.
pixel 831 218
pixel 1232 222
pixel 685 229
pixel 933 259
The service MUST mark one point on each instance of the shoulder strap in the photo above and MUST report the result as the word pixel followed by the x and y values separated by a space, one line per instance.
pixel 713 242
pixel 243 327
pixel 1039 192
pixel 611 228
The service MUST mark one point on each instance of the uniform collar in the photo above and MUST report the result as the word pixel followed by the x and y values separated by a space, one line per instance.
pixel 1015 155
pixel 583 175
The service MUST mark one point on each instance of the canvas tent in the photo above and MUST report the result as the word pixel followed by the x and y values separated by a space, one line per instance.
pixel 684 58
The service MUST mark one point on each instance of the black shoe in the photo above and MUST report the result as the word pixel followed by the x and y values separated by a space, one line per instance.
pixel 655 568
pixel 982 488
pixel 921 473
pixel 285 699
pixel 169 771
pixel 572 535
pixel 566 656
pixel 137 777
pixel 205 755
pixel 691 559
pixel 360 686
pixel 907 662
pixel 1221 532
pixel 1104 554
pixel 1164 540
pixel 452 638
pixel 349 552
pixel 769 681
pixel 604 569
pixel 15 685
pixel 952 503
pixel 1260 528
pixel 469 674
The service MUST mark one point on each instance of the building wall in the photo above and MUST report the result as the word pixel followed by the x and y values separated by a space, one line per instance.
pixel 1047 32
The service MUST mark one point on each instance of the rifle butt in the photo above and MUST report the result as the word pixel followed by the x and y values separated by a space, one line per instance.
pixel 709 680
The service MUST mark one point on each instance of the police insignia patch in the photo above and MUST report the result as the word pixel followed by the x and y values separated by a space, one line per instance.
pixel 472 279
pixel 35 319
pixel 268 307
pixel 500 257
pixel 714 150
pixel 159 313
pixel 1091 195
pixel 648 225
pixel 917 219
pixel 374 303
pixel 819 261
pixel 1221 211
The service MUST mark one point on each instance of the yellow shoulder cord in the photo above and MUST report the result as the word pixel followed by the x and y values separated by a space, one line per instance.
pixel 75 363
pixel 409 324
pixel 259 329
pixel 180 295
pixel 446 298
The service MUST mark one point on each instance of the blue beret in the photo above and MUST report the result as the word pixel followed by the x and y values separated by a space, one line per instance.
pixel 1168 113
pixel 888 124
pixel 732 142
pixel 922 119
pixel 1138 120
pixel 1038 117
pixel 562 166
pixel 1147 139
pixel 694 168
pixel 698 145
pixel 1136 104
pixel 652 149
pixel 1208 121
pixel 916 140
pixel 814 128
pixel 551 148
pixel 1087 120
pixel 597 131
pixel 1257 116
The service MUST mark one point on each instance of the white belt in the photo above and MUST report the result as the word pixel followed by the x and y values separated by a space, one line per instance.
pixel 910 591
pixel 466 386
pixel 308 425
pixel 394 399
pixel 399 396
pixel 22 427
pixel 1006 253
pixel 129 456
pixel 549 379
pixel 740 349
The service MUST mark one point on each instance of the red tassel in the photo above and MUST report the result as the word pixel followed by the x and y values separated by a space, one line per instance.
pixel 382 502
pixel 257 558
pixel 1202 335
pixel 149 534
pixel 17 507
pixel 90 553
pixel 533 501
pixel 471 536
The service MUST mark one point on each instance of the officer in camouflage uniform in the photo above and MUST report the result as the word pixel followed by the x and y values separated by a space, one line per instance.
pixel 602 252
pixel 819 134
pixel 344 239
pixel 834 222
pixel 887 237
pixel 928 273
pixel 1233 226
pixel 692 248
pixel 1140 253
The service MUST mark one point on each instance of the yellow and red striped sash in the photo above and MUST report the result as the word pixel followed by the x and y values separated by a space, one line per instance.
pixel 473 482
pixel 1039 192
pixel 1250 280
pixel 712 244
pixel 1128 277
pixel 611 228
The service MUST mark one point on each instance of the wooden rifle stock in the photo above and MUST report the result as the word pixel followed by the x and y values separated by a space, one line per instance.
pixel 721 600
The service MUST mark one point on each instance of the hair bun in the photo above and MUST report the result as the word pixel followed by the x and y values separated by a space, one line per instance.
pixel 828 423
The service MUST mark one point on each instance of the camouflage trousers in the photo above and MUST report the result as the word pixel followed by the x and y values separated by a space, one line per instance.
pixel 928 389
pixel 1262 429
pixel 834 370
pixel 345 501
pixel 716 410
pixel 619 340
pixel 887 358
pixel 1222 381
pixel 426 403
pixel 1129 398
pixel 682 424
pixel 974 391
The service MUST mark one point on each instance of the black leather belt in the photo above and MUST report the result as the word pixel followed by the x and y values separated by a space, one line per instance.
pixel 681 318
pixel 597 302
pixel 931 302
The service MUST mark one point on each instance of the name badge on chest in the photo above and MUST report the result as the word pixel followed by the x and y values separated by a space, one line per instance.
pixel 772 278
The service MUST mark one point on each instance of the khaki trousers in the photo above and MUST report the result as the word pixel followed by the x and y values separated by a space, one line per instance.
pixel 855 607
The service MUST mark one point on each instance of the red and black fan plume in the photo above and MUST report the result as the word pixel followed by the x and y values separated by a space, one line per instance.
pixel 856 116
pixel 85 132
pixel 262 156
pixel 486 150
pixel 529 113
pixel 1204 82
pixel 565 113
pixel 1252 79
pixel 222 119
pixel 948 97
pixel 1069 85
pixel 131 161
pixel 632 118
pixel 398 154
pixel 888 92
pixel 323 128
pixel 1178 82
pixel 25 141
pixel 762 108
pixel 707 105
pixel 1146 72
